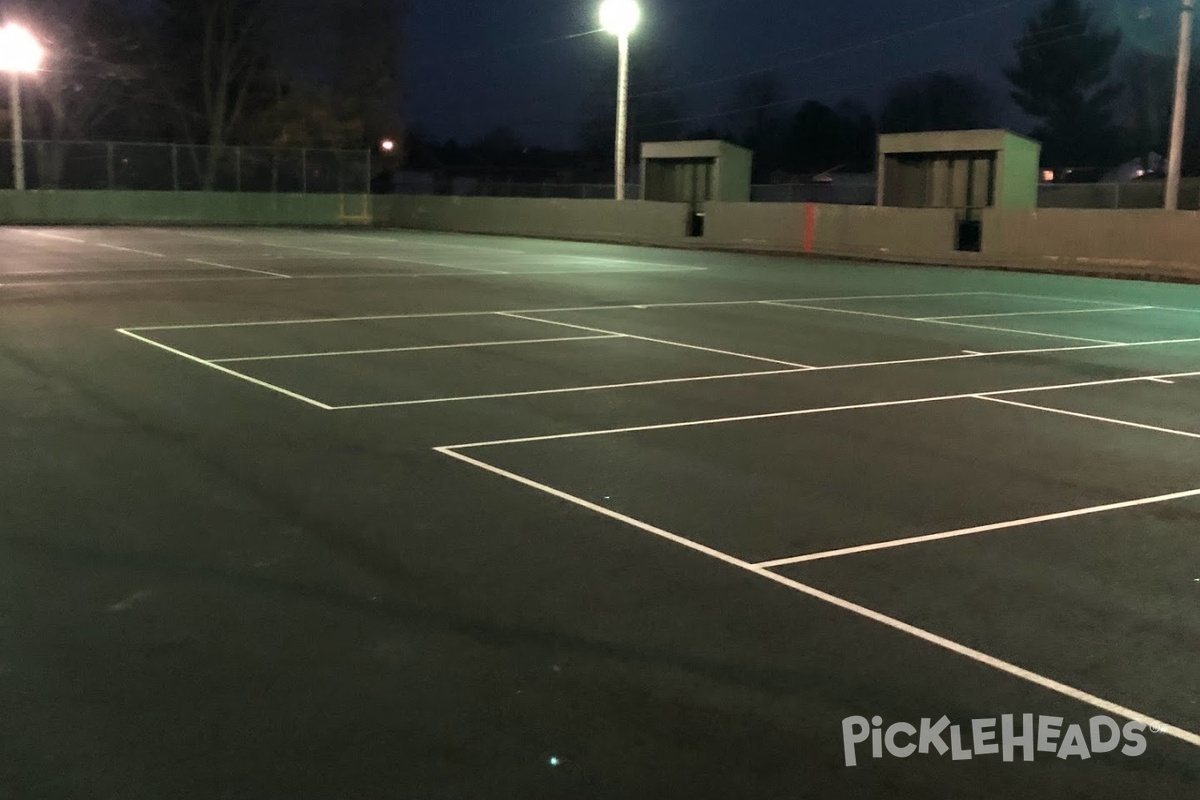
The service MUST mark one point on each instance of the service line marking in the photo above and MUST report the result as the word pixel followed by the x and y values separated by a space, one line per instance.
pixel 468 345
pixel 997 526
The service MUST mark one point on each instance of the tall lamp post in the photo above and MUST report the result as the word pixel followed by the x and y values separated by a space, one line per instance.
pixel 1178 119
pixel 620 18
pixel 19 52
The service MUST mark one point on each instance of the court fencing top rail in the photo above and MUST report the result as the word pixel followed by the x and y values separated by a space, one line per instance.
pixel 143 166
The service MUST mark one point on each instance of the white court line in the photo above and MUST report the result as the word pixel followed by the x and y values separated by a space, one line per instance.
pixel 769 373
pixel 1162 380
pixel 656 341
pixel 57 236
pixel 402 260
pixel 569 390
pixel 409 243
pixel 298 247
pixel 335 277
pixel 240 269
pixel 821 410
pixel 129 250
pixel 854 608
pixel 1096 302
pixel 1037 313
pixel 411 349
pixel 1093 417
pixel 613 271
pixel 973 353
pixel 448 314
pixel 210 236
pixel 226 370
pixel 1058 299
pixel 784 304
pixel 998 526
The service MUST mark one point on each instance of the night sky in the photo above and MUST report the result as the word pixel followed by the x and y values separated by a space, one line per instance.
pixel 477 64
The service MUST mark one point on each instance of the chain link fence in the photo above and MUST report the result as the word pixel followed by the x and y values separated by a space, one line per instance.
pixel 429 184
pixel 187 168
pixel 1129 195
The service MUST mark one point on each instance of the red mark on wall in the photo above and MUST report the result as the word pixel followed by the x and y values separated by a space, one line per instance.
pixel 810 227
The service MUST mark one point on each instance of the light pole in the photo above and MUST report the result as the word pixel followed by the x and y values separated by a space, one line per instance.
pixel 1182 73
pixel 620 18
pixel 19 52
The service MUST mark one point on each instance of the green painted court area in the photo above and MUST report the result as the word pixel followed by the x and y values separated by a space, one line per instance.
pixel 385 514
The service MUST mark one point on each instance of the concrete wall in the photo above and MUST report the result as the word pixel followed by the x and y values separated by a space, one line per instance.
pixel 1110 242
pixel 1098 242
pixel 181 208
pixel 597 220
pixel 864 231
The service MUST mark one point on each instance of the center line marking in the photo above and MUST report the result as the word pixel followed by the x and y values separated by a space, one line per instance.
pixel 658 341
pixel 381 350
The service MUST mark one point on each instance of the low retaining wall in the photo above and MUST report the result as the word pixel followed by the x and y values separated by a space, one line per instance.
pixel 181 208
pixel 1125 243
pixel 596 220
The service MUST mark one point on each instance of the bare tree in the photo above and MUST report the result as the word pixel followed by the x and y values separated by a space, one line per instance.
pixel 214 56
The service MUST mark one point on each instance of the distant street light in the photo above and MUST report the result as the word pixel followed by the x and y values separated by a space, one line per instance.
pixel 1182 73
pixel 19 52
pixel 620 18
pixel 387 145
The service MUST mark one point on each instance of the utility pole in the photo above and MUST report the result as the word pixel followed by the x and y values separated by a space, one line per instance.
pixel 1182 73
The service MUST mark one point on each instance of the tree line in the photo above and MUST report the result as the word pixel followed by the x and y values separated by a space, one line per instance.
pixel 1094 99
pixel 215 73
pixel 228 72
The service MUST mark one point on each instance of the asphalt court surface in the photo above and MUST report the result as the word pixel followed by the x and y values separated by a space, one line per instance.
pixel 555 519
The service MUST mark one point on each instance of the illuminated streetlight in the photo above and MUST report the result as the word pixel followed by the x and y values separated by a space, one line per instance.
pixel 621 18
pixel 387 145
pixel 19 52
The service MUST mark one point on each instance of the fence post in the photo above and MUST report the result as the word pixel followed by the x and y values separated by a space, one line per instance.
pixel 369 171
pixel 175 167
pixel 110 166
pixel 1116 195
pixel 237 167
pixel 274 172
pixel 304 171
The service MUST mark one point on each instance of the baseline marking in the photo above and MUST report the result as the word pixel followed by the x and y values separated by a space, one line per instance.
pixel 239 269
pixel 656 341
pixel 410 349
pixel 225 370
pixel 854 608
pixel 998 526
